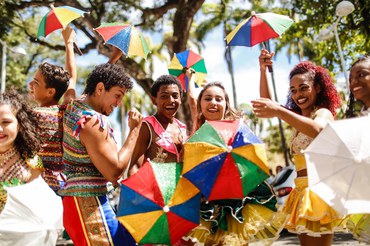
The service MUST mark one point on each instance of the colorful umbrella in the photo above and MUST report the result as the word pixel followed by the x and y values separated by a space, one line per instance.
pixel 58 18
pixel 184 60
pixel 125 37
pixel 258 28
pixel 338 165
pixel 157 206
pixel 225 160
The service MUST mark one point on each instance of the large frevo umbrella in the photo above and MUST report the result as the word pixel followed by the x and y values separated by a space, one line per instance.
pixel 258 28
pixel 32 214
pixel 225 160
pixel 157 206
pixel 125 37
pixel 58 18
pixel 184 60
pixel 338 164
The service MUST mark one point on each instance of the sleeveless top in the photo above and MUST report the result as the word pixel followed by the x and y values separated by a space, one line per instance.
pixel 161 147
pixel 15 170
pixel 83 178
pixel 300 141
pixel 51 151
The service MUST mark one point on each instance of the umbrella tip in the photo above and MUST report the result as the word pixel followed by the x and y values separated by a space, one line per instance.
pixel 253 13
pixel 166 209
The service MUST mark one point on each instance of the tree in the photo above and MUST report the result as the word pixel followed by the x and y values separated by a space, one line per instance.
pixel 25 16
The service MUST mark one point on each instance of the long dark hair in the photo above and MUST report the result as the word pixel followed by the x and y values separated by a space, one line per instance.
pixel 27 141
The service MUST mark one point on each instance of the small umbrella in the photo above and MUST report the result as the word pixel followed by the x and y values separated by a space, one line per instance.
pixel 225 160
pixel 32 211
pixel 257 29
pixel 184 60
pixel 157 206
pixel 125 37
pixel 338 164
pixel 58 18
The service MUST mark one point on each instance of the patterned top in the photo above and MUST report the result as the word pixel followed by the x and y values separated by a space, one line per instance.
pixel 161 146
pixel 15 170
pixel 83 178
pixel 51 152
pixel 301 141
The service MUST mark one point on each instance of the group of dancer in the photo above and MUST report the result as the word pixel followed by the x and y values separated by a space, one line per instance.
pixel 70 148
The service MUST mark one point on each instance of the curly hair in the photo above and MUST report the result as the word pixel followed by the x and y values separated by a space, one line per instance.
pixel 328 96
pixel 350 111
pixel 27 142
pixel 165 80
pixel 230 112
pixel 111 75
pixel 55 77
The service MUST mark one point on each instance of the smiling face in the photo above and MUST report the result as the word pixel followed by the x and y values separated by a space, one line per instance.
pixel 213 103
pixel 111 99
pixel 359 79
pixel 168 100
pixel 304 93
pixel 8 128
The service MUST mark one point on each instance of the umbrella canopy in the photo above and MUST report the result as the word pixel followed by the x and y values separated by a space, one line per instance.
pixel 338 164
pixel 184 60
pixel 125 37
pixel 225 160
pixel 258 28
pixel 157 206
pixel 32 213
pixel 58 18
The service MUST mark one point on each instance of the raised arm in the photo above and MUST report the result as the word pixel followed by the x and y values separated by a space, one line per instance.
pixel 103 150
pixel 69 36
pixel 265 59
pixel 191 97
pixel 266 108
pixel 116 54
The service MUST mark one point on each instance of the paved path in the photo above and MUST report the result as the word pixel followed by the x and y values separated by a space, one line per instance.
pixel 287 239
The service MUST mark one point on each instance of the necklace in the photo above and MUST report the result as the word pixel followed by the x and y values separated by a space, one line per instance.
pixel 8 155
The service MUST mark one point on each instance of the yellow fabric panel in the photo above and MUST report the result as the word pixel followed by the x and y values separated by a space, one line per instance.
pixel 65 16
pixel 139 224
pixel 135 47
pixel 195 153
pixel 255 153
pixel 300 162
pixel 175 64
pixel 184 191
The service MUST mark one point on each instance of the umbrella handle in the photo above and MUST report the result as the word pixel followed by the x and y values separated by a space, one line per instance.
pixel 76 49
pixel 270 68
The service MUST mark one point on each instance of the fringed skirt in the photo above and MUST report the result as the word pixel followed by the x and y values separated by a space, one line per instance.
pixel 239 222
pixel 308 213
pixel 91 221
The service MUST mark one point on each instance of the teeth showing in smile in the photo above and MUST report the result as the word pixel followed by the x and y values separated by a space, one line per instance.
pixel 302 100
pixel 357 88
pixel 212 110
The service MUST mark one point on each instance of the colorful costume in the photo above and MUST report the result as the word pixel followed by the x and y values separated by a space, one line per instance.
pixel 308 213
pixel 88 217
pixel 239 222
pixel 29 211
pixel 359 224
pixel 161 148
pixel 51 152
